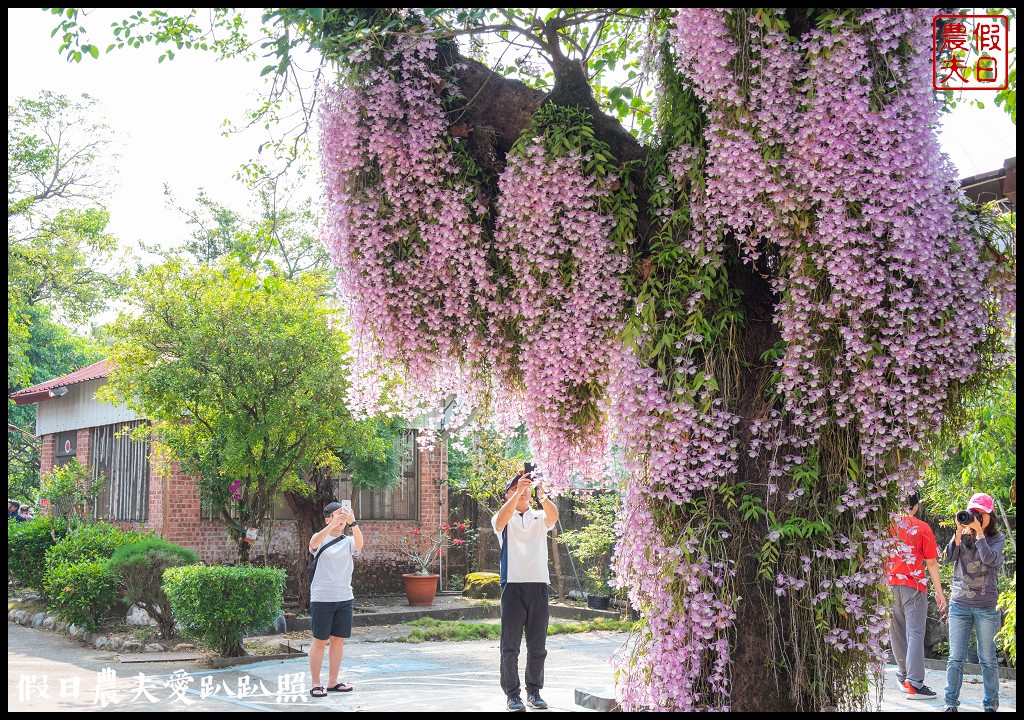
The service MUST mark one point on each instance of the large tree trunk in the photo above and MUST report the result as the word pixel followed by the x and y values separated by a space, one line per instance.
pixel 760 683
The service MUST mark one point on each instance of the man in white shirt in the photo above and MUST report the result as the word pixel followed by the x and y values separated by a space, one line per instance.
pixel 522 534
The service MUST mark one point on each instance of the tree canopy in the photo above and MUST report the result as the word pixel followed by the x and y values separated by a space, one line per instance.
pixel 243 378
pixel 59 253
pixel 721 241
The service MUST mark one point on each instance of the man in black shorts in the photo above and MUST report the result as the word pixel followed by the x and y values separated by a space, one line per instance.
pixel 331 596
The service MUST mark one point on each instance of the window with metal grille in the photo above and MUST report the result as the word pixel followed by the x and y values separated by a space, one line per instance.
pixel 400 502
pixel 123 465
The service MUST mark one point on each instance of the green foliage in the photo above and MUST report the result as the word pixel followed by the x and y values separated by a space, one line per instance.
pixel 983 456
pixel 277 235
pixel 376 460
pixel 1007 636
pixel 91 543
pixel 481 465
pixel 27 543
pixel 219 605
pixel 38 349
pixel 80 592
pixel 139 570
pixel 59 152
pixel 258 366
pixel 432 629
pixel 71 493
pixel 593 544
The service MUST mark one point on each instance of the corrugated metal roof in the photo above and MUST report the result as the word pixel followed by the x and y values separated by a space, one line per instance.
pixel 41 391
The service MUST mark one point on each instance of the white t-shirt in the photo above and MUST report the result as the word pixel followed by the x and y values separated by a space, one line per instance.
pixel 332 581
pixel 525 559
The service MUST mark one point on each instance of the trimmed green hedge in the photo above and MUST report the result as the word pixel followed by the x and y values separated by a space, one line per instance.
pixel 81 593
pixel 219 605
pixel 92 543
pixel 27 543
pixel 139 570
pixel 77 585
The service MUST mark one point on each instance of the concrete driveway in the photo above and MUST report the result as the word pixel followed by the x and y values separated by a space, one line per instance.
pixel 50 672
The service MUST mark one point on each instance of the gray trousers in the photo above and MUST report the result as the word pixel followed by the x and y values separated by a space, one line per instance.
pixel 906 632
pixel 524 608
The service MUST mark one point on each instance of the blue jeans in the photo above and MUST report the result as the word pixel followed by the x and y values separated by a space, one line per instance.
pixel 985 623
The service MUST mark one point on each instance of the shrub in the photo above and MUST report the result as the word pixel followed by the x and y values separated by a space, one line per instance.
pixel 1007 636
pixel 219 605
pixel 95 542
pixel 71 492
pixel 27 543
pixel 139 571
pixel 80 593
pixel 593 543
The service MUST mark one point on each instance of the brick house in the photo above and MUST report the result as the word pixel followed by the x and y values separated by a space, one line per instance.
pixel 142 490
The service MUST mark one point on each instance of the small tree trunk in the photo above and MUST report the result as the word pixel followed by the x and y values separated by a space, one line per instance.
pixel 309 519
pixel 243 551
pixel 306 516
pixel 558 563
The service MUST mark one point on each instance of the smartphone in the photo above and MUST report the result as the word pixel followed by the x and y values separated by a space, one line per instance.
pixel 346 504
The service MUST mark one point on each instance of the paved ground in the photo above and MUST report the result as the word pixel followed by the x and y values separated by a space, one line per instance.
pixel 52 672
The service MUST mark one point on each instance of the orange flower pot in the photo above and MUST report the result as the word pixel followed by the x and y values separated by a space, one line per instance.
pixel 420 589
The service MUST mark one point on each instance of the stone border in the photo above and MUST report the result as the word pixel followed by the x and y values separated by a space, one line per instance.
pixel 49 621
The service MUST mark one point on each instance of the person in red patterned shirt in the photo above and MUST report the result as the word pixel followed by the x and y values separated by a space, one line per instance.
pixel 916 550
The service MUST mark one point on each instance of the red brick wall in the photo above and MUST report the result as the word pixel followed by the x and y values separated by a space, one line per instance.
pixel 84 444
pixel 47 454
pixel 379 567
pixel 173 492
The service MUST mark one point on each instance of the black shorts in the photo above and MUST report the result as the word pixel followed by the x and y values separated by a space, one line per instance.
pixel 331 619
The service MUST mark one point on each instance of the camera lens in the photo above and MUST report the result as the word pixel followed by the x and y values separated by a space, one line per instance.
pixel 965 517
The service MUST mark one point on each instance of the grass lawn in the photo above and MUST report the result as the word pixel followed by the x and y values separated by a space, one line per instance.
pixel 427 629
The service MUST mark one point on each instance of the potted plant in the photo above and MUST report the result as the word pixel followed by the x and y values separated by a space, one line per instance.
pixel 599 595
pixel 594 543
pixel 424 546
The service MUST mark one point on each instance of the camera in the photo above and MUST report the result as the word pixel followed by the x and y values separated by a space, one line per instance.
pixel 530 470
pixel 966 517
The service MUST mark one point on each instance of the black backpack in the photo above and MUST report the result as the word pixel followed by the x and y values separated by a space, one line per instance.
pixel 312 568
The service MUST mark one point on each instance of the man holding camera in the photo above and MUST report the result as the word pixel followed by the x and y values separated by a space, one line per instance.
pixel 522 534
pixel 909 616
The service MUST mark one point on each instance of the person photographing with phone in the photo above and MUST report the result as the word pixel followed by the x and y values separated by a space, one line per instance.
pixel 523 537
pixel 976 552
pixel 331 598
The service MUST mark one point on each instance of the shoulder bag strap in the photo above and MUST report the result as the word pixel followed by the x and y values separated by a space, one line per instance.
pixel 316 557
